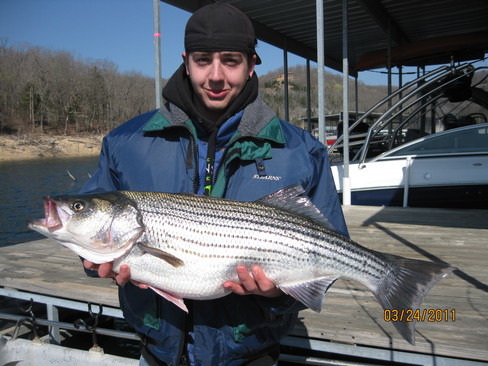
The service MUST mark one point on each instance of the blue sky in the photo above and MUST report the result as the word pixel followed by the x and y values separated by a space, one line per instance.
pixel 120 31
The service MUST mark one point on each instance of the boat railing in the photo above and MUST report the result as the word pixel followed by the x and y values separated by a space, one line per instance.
pixel 443 70
pixel 400 114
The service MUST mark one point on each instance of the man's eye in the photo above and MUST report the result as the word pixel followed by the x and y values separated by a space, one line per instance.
pixel 231 61
pixel 202 60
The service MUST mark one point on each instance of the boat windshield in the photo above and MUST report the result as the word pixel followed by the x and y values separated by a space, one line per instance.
pixel 473 140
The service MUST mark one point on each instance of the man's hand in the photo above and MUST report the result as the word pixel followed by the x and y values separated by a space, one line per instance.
pixel 105 270
pixel 255 284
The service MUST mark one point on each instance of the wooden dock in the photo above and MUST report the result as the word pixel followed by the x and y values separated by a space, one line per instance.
pixel 351 321
pixel 352 316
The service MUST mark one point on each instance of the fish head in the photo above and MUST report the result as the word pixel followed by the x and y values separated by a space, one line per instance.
pixel 98 227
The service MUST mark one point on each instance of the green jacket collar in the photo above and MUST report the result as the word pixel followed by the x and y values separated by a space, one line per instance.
pixel 258 121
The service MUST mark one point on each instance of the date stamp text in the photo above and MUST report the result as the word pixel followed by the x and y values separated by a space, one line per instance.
pixel 419 315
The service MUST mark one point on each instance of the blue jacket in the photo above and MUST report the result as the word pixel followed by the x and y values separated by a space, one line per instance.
pixel 159 151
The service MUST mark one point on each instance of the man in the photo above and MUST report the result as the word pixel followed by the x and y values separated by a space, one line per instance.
pixel 214 136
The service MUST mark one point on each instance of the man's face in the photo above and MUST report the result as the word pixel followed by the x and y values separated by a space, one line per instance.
pixel 217 78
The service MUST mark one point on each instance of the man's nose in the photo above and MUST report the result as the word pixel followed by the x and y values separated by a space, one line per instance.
pixel 216 73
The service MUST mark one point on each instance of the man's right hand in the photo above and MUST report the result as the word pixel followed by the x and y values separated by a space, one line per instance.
pixel 105 270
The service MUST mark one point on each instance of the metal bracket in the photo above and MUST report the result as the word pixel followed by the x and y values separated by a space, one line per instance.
pixel 91 325
pixel 29 322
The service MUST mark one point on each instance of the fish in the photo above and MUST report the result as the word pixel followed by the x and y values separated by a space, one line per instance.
pixel 185 246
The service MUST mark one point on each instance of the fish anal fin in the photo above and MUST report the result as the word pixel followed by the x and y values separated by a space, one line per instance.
pixel 310 293
pixel 161 254
pixel 290 198
pixel 178 301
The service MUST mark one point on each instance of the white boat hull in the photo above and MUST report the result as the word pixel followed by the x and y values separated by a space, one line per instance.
pixel 451 181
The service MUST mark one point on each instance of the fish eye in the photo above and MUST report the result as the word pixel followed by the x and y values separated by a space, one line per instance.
pixel 78 206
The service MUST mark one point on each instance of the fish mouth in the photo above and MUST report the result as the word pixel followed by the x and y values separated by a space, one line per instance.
pixel 51 220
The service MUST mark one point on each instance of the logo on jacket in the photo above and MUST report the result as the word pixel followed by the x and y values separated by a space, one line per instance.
pixel 267 177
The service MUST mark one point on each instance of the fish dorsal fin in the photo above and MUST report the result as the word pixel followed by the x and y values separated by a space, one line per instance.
pixel 290 198
pixel 161 254
pixel 310 293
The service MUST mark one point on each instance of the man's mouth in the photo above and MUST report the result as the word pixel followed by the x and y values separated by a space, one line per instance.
pixel 217 94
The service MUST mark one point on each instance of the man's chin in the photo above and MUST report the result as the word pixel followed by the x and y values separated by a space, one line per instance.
pixel 217 105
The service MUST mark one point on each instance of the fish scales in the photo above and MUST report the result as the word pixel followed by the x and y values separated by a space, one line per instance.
pixel 187 246
pixel 290 236
pixel 222 215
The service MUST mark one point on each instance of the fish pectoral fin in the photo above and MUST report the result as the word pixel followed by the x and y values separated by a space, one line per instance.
pixel 178 301
pixel 161 254
pixel 310 293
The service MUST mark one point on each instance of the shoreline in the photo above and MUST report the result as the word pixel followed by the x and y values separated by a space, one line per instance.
pixel 14 148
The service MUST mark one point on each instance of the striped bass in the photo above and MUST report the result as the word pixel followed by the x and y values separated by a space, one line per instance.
pixel 186 246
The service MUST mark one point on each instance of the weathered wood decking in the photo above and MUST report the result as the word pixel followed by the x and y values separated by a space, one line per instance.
pixel 351 314
pixel 46 267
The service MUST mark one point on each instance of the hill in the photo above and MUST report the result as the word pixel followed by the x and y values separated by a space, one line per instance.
pixel 272 91
pixel 52 92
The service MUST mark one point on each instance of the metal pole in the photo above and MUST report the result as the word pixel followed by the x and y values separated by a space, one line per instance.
pixel 406 181
pixel 346 182
pixel 320 69
pixel 157 53
pixel 388 60
pixel 53 314
pixel 356 93
pixel 400 86
pixel 388 63
pixel 285 75
pixel 309 101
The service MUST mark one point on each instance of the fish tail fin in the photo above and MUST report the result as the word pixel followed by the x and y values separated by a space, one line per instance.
pixel 404 288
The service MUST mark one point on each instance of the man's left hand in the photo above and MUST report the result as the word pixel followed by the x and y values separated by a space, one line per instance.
pixel 254 283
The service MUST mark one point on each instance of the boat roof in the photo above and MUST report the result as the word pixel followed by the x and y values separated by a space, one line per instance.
pixel 421 32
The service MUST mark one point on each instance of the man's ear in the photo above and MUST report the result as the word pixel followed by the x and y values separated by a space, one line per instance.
pixel 185 61
pixel 252 65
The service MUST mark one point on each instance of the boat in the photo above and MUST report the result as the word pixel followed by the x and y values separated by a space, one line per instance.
pixel 429 149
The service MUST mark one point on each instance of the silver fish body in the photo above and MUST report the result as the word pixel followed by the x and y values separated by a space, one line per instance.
pixel 187 246
pixel 211 237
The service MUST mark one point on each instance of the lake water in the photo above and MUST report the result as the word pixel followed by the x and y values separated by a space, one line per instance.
pixel 22 186
pixel 24 183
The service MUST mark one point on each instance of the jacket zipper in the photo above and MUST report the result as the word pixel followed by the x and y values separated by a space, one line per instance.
pixel 226 150
pixel 224 157
pixel 196 177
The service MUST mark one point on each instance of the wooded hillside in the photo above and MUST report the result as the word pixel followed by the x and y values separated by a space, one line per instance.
pixel 272 91
pixel 45 91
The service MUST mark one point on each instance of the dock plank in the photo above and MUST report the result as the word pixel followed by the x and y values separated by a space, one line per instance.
pixel 350 315
pixel 46 267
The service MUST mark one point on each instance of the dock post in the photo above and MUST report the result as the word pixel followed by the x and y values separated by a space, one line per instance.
pixel 406 181
pixel 54 333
